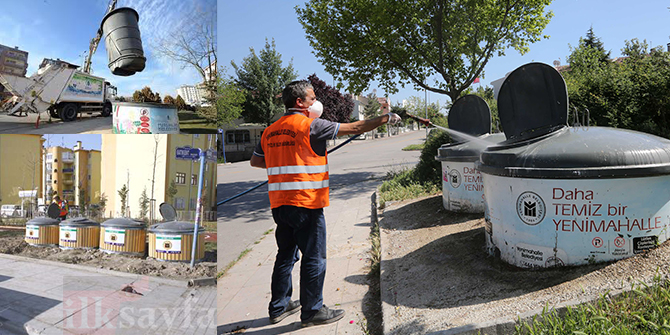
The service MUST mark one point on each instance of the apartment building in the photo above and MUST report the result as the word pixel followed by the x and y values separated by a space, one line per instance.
pixel 73 174
pixel 20 167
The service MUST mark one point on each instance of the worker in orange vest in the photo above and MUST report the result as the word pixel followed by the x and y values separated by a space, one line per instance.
pixel 293 150
pixel 64 208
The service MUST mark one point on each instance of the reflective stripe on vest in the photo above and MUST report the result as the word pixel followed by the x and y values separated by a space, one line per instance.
pixel 298 185
pixel 296 169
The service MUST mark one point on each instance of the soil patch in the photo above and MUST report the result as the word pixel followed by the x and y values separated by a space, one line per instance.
pixel 437 275
pixel 15 245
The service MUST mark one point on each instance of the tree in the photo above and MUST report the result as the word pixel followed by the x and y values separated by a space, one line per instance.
pixel 144 205
pixel 336 106
pixel 168 100
pixel 180 103
pixel 146 95
pixel 193 44
pixel 402 42
pixel 592 41
pixel 103 203
pixel 264 79
pixel 231 101
pixel 123 195
pixel 171 192
pixel 373 109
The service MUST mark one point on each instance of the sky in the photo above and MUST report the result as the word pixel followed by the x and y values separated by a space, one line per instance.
pixel 88 141
pixel 63 29
pixel 245 24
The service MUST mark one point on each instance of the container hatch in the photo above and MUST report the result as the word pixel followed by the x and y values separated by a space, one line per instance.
pixel 470 114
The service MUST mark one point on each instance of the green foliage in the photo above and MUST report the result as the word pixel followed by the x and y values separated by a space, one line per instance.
pixel 373 109
pixel 171 192
pixel 402 185
pixel 402 42
pixel 643 310
pixel 146 95
pixel 592 41
pixel 414 147
pixel 263 78
pixel 123 196
pixel 231 100
pixel 631 93
pixel 144 205
pixel 417 106
pixel 168 100
pixel 180 103
pixel 429 170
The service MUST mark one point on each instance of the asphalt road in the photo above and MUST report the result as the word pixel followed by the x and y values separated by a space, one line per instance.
pixel 26 125
pixel 243 221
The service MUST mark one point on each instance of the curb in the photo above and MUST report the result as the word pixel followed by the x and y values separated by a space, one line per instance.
pixel 171 282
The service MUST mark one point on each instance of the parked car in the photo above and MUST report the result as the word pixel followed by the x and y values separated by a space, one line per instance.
pixel 10 210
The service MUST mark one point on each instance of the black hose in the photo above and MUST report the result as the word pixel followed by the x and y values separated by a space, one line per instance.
pixel 265 182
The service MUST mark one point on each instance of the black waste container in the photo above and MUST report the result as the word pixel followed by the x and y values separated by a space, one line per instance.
pixel 123 42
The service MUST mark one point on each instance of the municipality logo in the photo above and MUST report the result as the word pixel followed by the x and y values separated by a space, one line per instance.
pixel 531 208
pixel 454 178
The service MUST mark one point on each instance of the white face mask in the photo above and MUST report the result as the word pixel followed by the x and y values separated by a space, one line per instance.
pixel 315 110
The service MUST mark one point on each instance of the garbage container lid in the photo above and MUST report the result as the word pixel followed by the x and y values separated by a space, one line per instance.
pixel 580 152
pixel 42 221
pixel 470 114
pixel 122 9
pixel 79 222
pixel 53 211
pixel 123 223
pixel 167 211
pixel 175 227
pixel 533 101
pixel 468 151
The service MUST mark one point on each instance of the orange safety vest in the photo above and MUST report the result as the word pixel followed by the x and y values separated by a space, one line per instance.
pixel 297 176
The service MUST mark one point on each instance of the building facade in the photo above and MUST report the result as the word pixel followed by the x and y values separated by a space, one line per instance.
pixel 21 159
pixel 192 95
pixel 72 174
pixel 14 62
pixel 148 163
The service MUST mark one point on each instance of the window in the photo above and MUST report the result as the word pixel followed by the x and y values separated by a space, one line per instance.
pixel 179 203
pixel 238 136
pixel 49 167
pixel 193 204
pixel 180 178
pixel 50 157
pixel 89 177
pixel 196 135
pixel 194 179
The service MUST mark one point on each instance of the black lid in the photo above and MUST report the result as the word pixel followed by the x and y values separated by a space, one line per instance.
pixel 122 9
pixel 174 227
pixel 123 223
pixel 590 152
pixel 533 101
pixel 468 151
pixel 53 211
pixel 470 114
pixel 79 222
pixel 42 221
pixel 167 211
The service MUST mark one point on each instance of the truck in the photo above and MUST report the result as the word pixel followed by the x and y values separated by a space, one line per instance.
pixel 58 87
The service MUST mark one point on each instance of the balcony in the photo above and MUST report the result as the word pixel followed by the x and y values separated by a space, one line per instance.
pixel 67 158
pixel 68 191
pixel 68 181
pixel 68 170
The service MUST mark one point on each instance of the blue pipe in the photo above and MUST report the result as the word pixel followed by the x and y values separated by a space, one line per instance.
pixel 265 182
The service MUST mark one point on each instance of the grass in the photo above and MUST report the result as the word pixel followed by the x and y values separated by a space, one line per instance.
pixel 402 185
pixel 232 263
pixel 10 233
pixel 192 123
pixel 643 310
pixel 414 147
pixel 210 246
pixel 210 226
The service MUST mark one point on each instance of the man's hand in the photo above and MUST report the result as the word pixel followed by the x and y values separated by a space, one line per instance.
pixel 394 118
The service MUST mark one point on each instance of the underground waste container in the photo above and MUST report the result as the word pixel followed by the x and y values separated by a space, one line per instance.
pixel 123 42
pixel 462 187
pixel 144 118
pixel 559 195
pixel 173 240
pixel 123 236
pixel 79 233
pixel 42 231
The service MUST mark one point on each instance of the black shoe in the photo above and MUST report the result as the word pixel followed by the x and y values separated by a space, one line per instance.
pixel 324 316
pixel 292 308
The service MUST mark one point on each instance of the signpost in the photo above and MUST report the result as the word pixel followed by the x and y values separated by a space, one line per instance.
pixel 188 153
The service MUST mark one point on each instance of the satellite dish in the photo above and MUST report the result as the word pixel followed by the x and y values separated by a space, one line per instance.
pixel 557 63
pixel 167 211
pixel 53 211
pixel 533 101
pixel 470 114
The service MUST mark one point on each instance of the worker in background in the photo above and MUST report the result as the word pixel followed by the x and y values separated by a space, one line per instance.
pixel 293 150
pixel 63 206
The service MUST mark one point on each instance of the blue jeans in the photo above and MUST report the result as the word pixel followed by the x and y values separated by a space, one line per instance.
pixel 304 230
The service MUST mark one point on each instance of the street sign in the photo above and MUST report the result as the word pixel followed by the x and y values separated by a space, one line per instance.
pixel 188 153
pixel 211 155
pixel 28 194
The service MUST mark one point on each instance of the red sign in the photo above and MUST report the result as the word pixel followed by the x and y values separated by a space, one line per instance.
pixel 144 124
pixel 144 130
pixel 619 242
pixel 144 118
pixel 597 242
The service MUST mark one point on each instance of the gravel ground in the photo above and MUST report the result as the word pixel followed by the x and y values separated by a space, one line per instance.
pixel 436 275
pixel 15 245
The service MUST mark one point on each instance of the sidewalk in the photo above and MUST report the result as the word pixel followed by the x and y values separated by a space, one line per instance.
pixel 44 297
pixel 244 293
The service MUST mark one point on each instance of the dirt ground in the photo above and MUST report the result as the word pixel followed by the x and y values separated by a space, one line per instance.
pixel 436 274
pixel 15 245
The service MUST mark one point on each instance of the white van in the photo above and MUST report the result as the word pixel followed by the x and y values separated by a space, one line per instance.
pixel 10 210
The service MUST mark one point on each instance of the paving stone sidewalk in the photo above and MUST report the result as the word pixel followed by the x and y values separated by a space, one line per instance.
pixel 45 297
